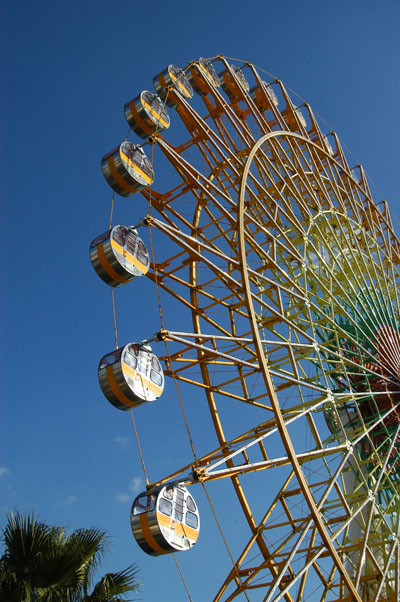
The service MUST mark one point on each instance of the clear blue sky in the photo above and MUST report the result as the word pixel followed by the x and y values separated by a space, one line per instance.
pixel 67 69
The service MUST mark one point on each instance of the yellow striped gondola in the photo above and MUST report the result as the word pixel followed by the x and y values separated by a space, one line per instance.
pixel 131 376
pixel 119 256
pixel 165 521
pixel 234 85
pixel 172 85
pixel 127 169
pixel 203 77
pixel 146 114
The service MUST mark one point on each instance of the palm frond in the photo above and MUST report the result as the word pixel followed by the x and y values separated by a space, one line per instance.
pixel 112 585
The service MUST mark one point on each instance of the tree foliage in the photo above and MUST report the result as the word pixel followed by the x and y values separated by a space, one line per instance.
pixel 41 562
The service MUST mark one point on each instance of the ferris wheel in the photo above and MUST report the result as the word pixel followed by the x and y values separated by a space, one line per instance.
pixel 284 273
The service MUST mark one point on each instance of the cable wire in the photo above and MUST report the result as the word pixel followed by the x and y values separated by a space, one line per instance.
pixel 139 448
pixel 182 577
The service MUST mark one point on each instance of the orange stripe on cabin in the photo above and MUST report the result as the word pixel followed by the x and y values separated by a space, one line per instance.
pixel 117 176
pixel 116 390
pixel 107 267
pixel 136 168
pixel 145 382
pixel 147 534
pixel 155 114
pixel 181 86
pixel 178 527
pixel 208 74
pixel 138 264
pixel 139 121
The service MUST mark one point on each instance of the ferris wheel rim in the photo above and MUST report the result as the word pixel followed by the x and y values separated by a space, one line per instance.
pixel 264 367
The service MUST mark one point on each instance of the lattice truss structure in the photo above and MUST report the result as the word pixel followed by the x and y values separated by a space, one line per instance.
pixel 288 272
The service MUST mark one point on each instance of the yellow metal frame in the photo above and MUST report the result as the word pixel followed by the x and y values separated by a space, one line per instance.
pixel 273 246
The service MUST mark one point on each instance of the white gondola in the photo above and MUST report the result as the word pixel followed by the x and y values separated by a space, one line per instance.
pixel 131 376
pixel 234 85
pixel 127 169
pixel 165 521
pixel 119 256
pixel 203 77
pixel 146 114
pixel 172 85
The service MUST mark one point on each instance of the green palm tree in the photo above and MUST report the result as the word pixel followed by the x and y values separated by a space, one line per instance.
pixel 45 563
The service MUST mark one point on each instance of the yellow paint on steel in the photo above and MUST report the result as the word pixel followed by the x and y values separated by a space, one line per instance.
pixel 136 169
pixel 117 176
pixel 162 81
pixel 199 313
pixel 157 116
pixel 208 75
pixel 131 258
pixel 126 369
pixel 218 425
pixel 116 390
pixel 178 527
pixel 147 534
pixel 319 523
pixel 180 85
pixel 253 539
pixel 231 84
pixel 107 267
pixel 139 121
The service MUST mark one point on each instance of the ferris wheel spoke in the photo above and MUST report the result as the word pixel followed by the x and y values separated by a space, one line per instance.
pixel 368 273
pixel 239 127
pixel 279 242
pixel 269 564
pixel 211 474
pixel 194 244
pixel 211 355
pixel 390 293
pixel 383 291
pixel 299 183
pixel 227 123
pixel 189 243
pixel 352 304
pixel 193 175
pixel 387 575
pixel 276 194
pixel 313 550
pixel 195 124
pixel 373 510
